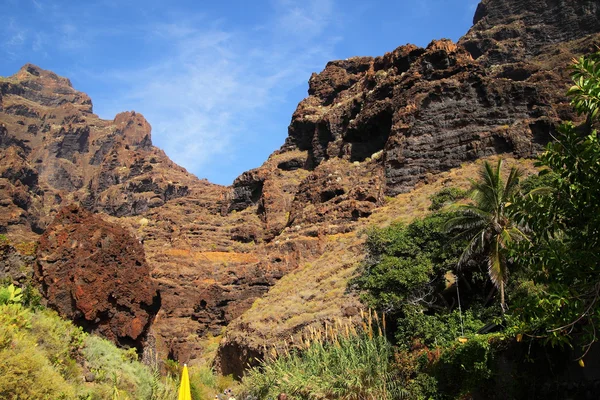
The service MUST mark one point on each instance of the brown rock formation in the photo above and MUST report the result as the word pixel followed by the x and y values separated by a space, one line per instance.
pixel 401 120
pixel 95 273
pixel 370 128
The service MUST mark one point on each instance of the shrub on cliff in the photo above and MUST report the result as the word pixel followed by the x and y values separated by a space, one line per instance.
pixel 406 264
pixel 42 357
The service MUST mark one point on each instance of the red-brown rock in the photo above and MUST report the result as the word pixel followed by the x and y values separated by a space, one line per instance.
pixel 95 273
pixel 370 127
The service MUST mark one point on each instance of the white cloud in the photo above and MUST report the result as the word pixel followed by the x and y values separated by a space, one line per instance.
pixel 204 83
pixel 201 96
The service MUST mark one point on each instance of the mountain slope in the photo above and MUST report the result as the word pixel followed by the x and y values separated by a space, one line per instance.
pixel 370 128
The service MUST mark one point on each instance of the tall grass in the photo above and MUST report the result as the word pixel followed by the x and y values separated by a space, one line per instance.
pixel 336 362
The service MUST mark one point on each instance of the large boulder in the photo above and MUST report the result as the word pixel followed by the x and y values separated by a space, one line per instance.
pixel 95 273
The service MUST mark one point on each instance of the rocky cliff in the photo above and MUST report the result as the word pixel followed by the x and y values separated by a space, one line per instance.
pixel 370 129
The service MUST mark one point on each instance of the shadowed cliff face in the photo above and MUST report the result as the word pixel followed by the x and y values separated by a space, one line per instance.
pixel 499 90
pixel 370 127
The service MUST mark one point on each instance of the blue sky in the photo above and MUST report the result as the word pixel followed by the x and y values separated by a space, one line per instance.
pixel 217 80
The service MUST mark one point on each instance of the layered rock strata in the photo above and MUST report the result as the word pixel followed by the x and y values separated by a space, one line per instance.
pixel 370 128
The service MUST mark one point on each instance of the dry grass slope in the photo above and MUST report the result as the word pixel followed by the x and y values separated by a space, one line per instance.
pixel 317 292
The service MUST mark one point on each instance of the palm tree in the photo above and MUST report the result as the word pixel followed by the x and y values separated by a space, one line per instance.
pixel 487 224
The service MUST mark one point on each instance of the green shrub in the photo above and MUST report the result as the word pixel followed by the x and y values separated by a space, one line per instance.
pixel 406 263
pixel 467 367
pixel 445 197
pixel 10 294
pixel 41 356
pixel 25 373
pixel 112 365
pixel 436 330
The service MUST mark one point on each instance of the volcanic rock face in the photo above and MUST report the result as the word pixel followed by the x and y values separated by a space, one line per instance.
pixel 370 128
pixel 511 30
pixel 95 274
pixel 431 109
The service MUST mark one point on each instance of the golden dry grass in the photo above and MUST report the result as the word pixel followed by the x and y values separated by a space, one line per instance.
pixel 406 207
pixel 212 256
pixel 317 291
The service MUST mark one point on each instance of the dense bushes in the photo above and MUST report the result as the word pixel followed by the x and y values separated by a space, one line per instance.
pixel 42 357
pixel 407 264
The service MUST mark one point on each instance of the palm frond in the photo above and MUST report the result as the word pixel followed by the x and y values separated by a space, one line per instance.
pixel 512 183
pixel 496 267
pixel 476 245
pixel 544 190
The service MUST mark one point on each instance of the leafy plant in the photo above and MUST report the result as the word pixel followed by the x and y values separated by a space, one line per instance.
pixel 11 295
pixel 446 196
pixel 563 258
pixel 406 264
pixel 487 223
pixel 350 365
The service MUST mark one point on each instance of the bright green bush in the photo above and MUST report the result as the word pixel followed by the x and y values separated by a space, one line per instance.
pixel 113 366
pixel 41 356
pixel 25 373
pixel 10 294
pixel 435 330
pixel 406 263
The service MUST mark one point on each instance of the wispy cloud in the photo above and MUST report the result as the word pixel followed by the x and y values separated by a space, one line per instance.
pixel 212 82
pixel 206 83
pixel 15 38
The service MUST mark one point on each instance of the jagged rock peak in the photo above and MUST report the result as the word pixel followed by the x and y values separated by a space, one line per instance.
pixel 526 26
pixel 30 71
pixel 134 128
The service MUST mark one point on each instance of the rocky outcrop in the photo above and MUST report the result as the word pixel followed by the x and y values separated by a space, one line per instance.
pixel 507 31
pixel 95 273
pixel 496 91
pixel 371 128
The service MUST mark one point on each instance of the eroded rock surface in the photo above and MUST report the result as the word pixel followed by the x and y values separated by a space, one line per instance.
pixel 95 273
pixel 370 128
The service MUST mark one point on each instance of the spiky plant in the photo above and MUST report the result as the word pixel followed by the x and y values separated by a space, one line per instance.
pixel 487 224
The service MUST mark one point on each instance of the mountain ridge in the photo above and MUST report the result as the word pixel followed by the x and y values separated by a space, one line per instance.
pixel 371 129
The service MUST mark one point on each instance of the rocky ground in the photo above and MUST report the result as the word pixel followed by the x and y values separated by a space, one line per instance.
pixel 371 130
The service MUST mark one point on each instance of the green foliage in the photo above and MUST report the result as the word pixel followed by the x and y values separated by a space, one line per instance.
pixel 435 330
pixel 446 196
pixel 353 367
pixel 487 223
pixel 406 263
pixel 25 373
pixel 10 295
pixel 562 261
pixel 41 357
pixel 585 93
pixel 539 182
pixel 115 367
pixel 465 367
